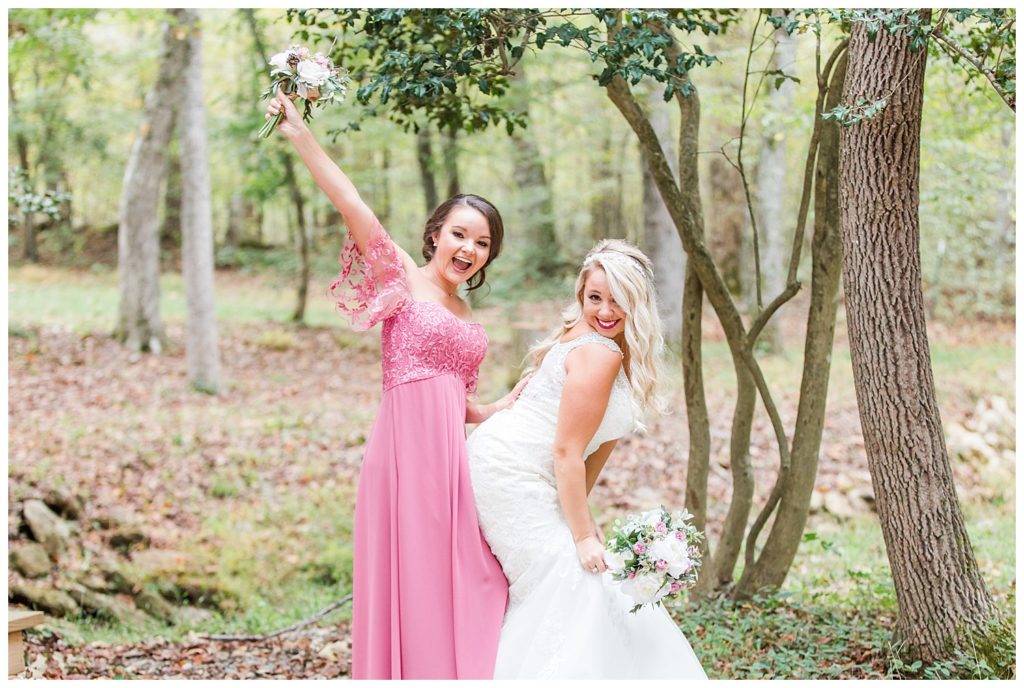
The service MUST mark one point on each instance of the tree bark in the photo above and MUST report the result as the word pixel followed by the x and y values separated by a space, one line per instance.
pixel 728 226
pixel 541 258
pixel 425 159
pixel 775 560
pixel 202 355
pixel 450 145
pixel 139 325
pixel 939 588
pixel 661 240
pixel 170 230
pixel 771 183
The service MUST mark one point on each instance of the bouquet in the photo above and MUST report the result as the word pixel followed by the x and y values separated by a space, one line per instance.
pixel 313 77
pixel 655 555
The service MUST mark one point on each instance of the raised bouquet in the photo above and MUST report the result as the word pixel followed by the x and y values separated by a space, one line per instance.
pixel 314 78
pixel 655 555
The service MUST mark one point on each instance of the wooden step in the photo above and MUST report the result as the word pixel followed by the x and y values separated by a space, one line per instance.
pixel 17 621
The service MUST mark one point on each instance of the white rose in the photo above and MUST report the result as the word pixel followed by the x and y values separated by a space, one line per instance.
pixel 615 561
pixel 652 517
pixel 645 588
pixel 280 63
pixel 672 551
pixel 312 74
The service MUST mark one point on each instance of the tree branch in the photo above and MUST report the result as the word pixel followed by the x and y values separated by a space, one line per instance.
pixel 294 627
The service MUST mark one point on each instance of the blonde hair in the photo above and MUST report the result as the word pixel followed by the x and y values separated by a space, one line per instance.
pixel 630 276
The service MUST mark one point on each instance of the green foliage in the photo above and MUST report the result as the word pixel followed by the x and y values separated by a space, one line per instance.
pixel 21 195
pixel 413 61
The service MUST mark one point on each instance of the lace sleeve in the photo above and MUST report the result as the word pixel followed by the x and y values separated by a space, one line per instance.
pixel 371 288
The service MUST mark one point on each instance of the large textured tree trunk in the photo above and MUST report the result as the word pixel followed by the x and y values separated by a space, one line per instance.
pixel 939 589
pixel 138 262
pixel 661 240
pixel 201 349
pixel 536 200
pixel 425 159
pixel 775 560
pixel 771 184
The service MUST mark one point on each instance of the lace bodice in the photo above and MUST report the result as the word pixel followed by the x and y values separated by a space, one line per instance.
pixel 419 339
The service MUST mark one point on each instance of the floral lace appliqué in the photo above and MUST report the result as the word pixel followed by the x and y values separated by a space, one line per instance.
pixel 370 288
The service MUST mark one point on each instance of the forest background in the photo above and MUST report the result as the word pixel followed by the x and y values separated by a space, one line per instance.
pixel 184 514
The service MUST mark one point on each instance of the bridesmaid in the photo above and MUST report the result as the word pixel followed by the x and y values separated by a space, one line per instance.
pixel 428 594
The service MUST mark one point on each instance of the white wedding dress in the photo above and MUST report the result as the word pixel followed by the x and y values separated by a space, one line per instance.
pixel 562 621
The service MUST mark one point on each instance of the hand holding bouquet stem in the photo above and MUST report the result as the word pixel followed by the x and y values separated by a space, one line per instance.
pixel 297 74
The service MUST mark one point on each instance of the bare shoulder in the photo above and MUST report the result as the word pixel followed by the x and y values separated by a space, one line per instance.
pixel 600 362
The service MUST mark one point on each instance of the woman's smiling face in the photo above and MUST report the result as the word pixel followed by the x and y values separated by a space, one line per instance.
pixel 600 310
pixel 463 244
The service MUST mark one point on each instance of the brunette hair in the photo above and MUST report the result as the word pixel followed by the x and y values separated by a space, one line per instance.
pixel 494 223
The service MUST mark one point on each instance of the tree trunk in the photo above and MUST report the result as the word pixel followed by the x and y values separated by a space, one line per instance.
pixel 236 220
pixel 201 350
pixel 775 560
pixel 30 250
pixel 170 231
pixel 661 240
pixel 939 589
pixel 425 159
pixel 771 183
pixel 139 324
pixel 301 229
pixel 541 258
pixel 450 144
pixel 606 190
pixel 293 186
pixel 697 421
pixel 728 224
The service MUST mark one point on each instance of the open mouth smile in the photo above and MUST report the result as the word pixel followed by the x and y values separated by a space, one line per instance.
pixel 461 265
pixel 607 324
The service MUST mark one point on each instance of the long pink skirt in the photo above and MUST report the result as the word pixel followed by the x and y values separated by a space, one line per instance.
pixel 428 595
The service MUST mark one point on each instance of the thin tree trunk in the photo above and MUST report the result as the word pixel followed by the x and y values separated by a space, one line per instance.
pixel 202 355
pixel 30 250
pixel 775 560
pixel 236 219
pixel 537 202
pixel 661 240
pixel 939 588
pixel 727 226
pixel 170 230
pixel 425 159
pixel 771 183
pixel 606 190
pixel 293 186
pixel 139 325
pixel 450 145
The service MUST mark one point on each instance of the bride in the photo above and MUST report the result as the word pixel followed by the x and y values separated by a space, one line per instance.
pixel 534 464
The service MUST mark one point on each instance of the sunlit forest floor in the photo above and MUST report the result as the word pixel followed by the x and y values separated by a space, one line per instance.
pixel 251 490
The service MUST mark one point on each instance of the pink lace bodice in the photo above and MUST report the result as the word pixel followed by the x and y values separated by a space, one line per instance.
pixel 419 339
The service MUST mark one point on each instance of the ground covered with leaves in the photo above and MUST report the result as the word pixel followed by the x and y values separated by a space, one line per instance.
pixel 250 492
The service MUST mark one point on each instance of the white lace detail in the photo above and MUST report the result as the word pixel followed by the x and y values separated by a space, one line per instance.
pixel 562 621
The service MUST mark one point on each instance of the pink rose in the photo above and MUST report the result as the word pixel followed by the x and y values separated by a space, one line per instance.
pixel 660 528
pixel 632 575
pixel 680 536
pixel 675 587
pixel 639 548
pixel 661 565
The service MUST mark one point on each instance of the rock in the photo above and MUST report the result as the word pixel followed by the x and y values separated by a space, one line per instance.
pixel 199 592
pixel 43 598
pixel 117 577
pixel 193 617
pixel 63 629
pixel 30 560
pixel 155 605
pixel 48 528
pixel 863 497
pixel 105 606
pixel 116 517
pixel 127 539
pixel 65 502
pixel 838 505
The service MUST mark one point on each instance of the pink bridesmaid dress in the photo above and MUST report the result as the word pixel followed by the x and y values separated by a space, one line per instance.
pixel 428 595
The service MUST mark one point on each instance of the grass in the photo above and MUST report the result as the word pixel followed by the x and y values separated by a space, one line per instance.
pixel 282 556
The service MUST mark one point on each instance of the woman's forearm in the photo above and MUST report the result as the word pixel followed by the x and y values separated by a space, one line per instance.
pixel 478 413
pixel 570 480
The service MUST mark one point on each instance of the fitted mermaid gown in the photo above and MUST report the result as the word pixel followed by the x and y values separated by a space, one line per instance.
pixel 428 595
pixel 562 621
